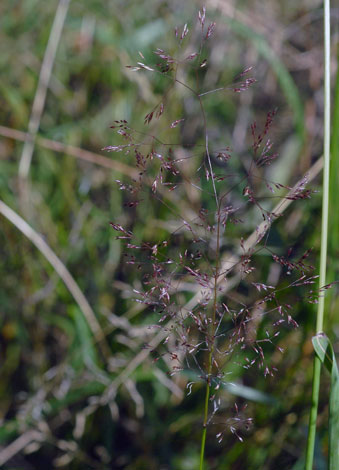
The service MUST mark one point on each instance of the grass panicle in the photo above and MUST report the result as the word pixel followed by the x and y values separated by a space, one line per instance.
pixel 222 328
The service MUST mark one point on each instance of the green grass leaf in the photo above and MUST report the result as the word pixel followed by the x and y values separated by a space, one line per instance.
pixel 324 351
pixel 250 393
pixel 84 337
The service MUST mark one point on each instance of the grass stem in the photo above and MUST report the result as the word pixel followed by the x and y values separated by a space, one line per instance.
pixel 204 431
pixel 324 236
pixel 212 340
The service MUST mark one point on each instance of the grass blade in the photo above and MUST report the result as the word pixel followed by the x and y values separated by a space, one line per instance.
pixel 324 235
pixel 334 182
pixel 325 353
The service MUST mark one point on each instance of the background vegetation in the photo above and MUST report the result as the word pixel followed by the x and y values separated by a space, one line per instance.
pixel 78 397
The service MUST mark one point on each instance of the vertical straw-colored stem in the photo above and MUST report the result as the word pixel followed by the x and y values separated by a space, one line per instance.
pixel 324 229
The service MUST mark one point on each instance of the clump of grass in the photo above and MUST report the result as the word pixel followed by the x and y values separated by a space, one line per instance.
pixel 198 281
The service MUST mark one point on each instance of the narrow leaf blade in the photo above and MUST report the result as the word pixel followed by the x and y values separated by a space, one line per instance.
pixel 324 351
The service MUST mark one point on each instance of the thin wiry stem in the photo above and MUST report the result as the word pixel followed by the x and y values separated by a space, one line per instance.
pixel 212 345
pixel 206 140
pixel 324 234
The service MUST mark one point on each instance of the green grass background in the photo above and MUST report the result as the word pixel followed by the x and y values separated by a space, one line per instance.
pixel 53 374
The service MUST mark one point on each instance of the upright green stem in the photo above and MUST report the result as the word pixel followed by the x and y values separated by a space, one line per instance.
pixel 204 431
pixel 324 226
pixel 212 341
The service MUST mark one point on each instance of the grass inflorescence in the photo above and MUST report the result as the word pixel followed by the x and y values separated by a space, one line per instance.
pixel 213 312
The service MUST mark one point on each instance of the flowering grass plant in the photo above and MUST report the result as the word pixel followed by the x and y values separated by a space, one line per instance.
pixel 198 279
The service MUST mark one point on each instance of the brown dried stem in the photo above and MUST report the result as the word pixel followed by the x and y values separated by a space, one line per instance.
pixel 61 269
pixel 41 92
pixel 76 152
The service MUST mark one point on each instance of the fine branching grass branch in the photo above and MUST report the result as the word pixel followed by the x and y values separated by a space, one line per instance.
pixel 228 264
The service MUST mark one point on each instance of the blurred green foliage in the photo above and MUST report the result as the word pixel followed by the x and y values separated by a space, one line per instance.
pixel 54 376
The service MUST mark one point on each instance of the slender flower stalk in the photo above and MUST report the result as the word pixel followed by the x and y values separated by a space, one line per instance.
pixel 212 340
pixel 324 236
